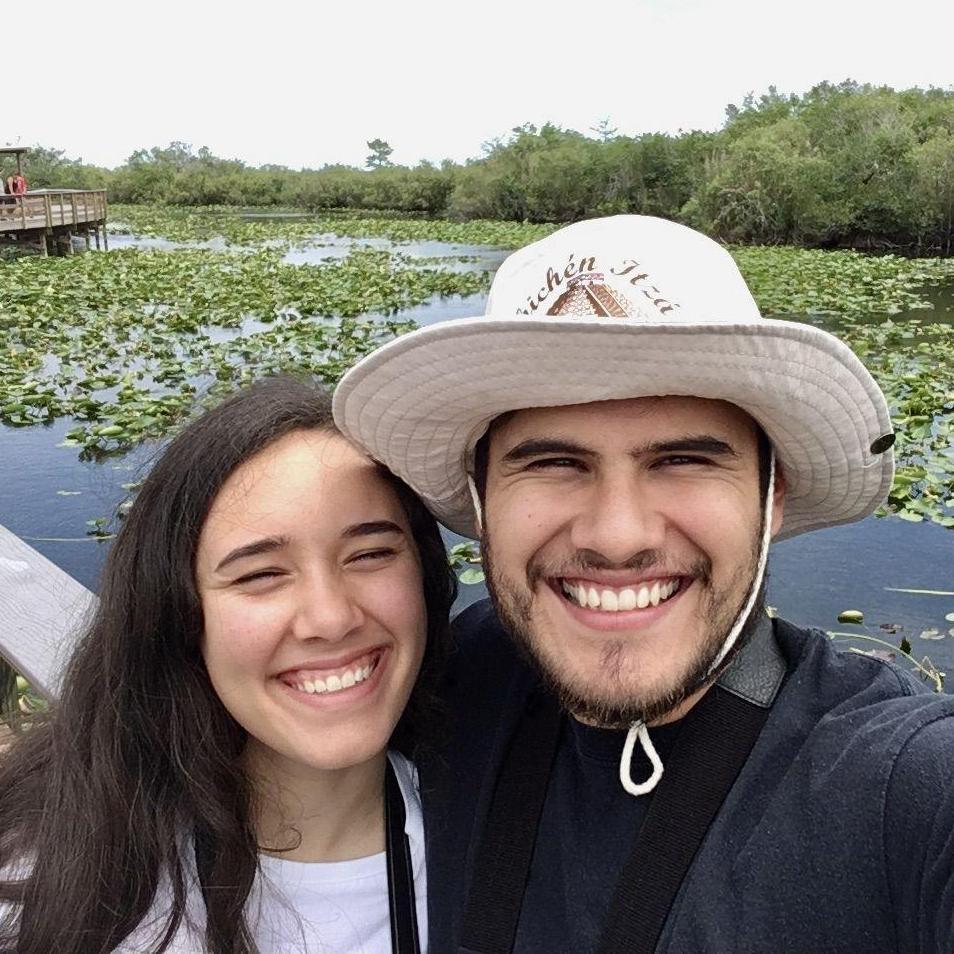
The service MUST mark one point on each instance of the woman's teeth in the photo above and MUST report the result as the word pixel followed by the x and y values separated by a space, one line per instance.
pixel 615 601
pixel 336 683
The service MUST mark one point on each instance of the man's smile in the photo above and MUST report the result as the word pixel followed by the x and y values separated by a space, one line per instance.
pixel 621 606
pixel 597 596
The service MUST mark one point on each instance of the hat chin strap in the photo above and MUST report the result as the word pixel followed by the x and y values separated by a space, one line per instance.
pixel 475 497
pixel 638 730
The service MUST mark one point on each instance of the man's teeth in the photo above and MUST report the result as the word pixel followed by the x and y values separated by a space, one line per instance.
pixel 345 680
pixel 614 601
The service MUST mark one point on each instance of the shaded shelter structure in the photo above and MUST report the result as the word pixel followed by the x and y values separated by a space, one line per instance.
pixel 45 220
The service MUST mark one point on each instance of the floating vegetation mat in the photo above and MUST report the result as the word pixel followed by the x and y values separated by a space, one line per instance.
pixel 800 282
pixel 124 343
pixel 267 225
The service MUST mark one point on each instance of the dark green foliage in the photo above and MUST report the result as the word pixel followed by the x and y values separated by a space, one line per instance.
pixel 50 169
pixel 380 155
pixel 847 165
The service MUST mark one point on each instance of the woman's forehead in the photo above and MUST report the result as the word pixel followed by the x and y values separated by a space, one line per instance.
pixel 307 476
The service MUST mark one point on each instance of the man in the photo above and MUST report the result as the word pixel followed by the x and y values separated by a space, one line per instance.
pixel 627 434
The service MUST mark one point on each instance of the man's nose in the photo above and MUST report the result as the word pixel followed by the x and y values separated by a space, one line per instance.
pixel 325 609
pixel 619 518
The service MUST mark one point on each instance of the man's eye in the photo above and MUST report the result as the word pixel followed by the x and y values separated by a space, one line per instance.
pixel 681 460
pixel 555 463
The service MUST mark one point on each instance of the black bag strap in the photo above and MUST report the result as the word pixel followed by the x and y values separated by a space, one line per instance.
pixel 713 744
pixel 401 902
pixel 504 853
pixel 710 750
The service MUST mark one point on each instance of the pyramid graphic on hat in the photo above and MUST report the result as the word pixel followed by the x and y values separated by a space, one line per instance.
pixel 590 295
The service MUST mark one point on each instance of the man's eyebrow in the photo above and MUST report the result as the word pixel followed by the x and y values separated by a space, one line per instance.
pixel 370 528
pixel 265 545
pixel 697 444
pixel 538 446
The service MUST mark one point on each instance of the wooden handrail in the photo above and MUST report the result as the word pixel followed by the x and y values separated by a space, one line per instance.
pixel 38 210
pixel 43 611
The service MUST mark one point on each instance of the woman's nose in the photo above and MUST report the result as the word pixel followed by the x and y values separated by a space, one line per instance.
pixel 326 609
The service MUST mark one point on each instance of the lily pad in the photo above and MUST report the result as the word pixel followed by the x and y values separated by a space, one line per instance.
pixel 855 617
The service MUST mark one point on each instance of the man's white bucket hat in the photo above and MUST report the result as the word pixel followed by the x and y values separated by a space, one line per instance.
pixel 623 307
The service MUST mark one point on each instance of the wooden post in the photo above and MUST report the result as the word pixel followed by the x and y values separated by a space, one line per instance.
pixel 96 233
pixel 49 210
pixel 105 239
pixel 86 236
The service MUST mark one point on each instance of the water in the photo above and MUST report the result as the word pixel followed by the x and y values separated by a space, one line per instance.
pixel 47 495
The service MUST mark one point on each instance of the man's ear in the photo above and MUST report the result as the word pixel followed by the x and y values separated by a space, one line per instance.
pixel 778 499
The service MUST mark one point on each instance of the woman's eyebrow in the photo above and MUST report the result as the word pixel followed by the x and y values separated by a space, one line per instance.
pixel 369 528
pixel 265 545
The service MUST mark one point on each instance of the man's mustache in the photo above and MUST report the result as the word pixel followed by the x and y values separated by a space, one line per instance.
pixel 578 563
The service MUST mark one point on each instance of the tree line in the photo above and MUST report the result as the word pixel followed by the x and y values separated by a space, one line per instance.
pixel 843 165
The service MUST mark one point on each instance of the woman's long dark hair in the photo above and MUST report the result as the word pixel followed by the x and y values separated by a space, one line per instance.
pixel 139 751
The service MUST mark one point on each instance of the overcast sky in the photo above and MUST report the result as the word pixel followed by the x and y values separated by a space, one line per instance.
pixel 307 84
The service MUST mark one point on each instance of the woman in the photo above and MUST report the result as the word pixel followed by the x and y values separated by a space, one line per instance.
pixel 213 775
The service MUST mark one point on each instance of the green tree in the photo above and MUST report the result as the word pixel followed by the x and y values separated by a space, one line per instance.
pixel 380 155
pixel 46 168
pixel 934 176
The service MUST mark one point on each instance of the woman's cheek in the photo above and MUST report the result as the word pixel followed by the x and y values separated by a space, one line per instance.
pixel 240 627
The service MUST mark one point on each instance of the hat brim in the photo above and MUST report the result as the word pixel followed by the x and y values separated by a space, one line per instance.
pixel 420 403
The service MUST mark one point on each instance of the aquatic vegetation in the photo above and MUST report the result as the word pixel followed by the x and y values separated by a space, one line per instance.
pixel 912 362
pixel 203 224
pixel 127 343
pixel 466 561
pixel 925 669
pixel 794 282
pixel 124 342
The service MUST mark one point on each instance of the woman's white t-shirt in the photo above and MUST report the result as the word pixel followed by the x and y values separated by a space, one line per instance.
pixel 301 907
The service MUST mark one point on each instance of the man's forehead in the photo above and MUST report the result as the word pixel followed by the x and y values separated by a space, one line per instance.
pixel 657 412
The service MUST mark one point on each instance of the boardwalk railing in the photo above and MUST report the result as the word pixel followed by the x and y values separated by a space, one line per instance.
pixel 42 613
pixel 49 209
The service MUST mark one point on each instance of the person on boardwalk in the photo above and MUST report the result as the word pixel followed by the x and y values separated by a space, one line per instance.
pixel 639 759
pixel 218 774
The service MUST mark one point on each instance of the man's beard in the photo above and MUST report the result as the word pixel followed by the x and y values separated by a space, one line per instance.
pixel 718 613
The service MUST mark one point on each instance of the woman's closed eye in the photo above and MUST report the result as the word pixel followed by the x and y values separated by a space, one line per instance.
pixel 258 576
pixel 375 555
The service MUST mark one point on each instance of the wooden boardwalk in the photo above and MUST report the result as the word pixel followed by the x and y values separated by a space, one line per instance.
pixel 48 219
pixel 42 613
